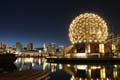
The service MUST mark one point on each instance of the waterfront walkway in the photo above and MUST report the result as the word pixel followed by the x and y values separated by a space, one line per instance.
pixel 25 75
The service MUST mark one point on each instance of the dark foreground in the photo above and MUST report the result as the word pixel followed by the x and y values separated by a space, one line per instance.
pixel 7 58
pixel 25 75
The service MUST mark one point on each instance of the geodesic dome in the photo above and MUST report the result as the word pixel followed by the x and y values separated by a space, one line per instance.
pixel 88 27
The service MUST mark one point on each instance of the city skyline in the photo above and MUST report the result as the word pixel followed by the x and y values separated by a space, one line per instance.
pixel 28 45
pixel 48 21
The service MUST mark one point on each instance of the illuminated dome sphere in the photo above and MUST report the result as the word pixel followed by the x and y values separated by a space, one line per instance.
pixel 88 27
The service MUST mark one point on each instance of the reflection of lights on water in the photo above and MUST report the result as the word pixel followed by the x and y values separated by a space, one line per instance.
pixel 87 68
pixel 115 66
pixel 20 69
pixel 24 60
pixel 28 60
pixel 80 79
pixel 68 65
pixel 103 73
pixel 115 73
pixel 18 60
pixel 107 79
pixel 95 67
pixel 89 72
pixel 53 67
pixel 44 65
pixel 81 67
pixel 86 79
pixel 33 64
pixel 39 61
pixel 44 60
pixel 60 66
pixel 97 79
pixel 72 78
pixel 53 64
pixel 53 70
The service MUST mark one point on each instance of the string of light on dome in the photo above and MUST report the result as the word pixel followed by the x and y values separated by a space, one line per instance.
pixel 89 27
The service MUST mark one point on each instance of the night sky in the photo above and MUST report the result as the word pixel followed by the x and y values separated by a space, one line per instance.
pixel 46 21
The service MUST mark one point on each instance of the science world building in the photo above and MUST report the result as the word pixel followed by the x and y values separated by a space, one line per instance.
pixel 88 34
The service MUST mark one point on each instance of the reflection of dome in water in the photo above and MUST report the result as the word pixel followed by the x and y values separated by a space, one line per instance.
pixel 88 26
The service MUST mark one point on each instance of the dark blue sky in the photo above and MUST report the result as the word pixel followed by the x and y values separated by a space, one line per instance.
pixel 40 21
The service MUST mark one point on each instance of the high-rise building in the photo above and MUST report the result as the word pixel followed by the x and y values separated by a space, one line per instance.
pixel 30 46
pixel 3 45
pixel 61 48
pixel 52 48
pixel 44 48
pixel 18 47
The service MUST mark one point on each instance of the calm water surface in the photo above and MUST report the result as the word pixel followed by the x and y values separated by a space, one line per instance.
pixel 70 71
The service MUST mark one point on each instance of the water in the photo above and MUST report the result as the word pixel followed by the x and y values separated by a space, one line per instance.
pixel 70 71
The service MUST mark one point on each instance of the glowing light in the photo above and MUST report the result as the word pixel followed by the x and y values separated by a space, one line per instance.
pixel 115 73
pixel 73 77
pixel 68 65
pixel 102 73
pixel 80 79
pixel 44 65
pixel 101 48
pixel 115 66
pixel 18 60
pixel 80 55
pixel 60 66
pixel 88 26
pixel 28 60
pixel 81 67
pixel 95 67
